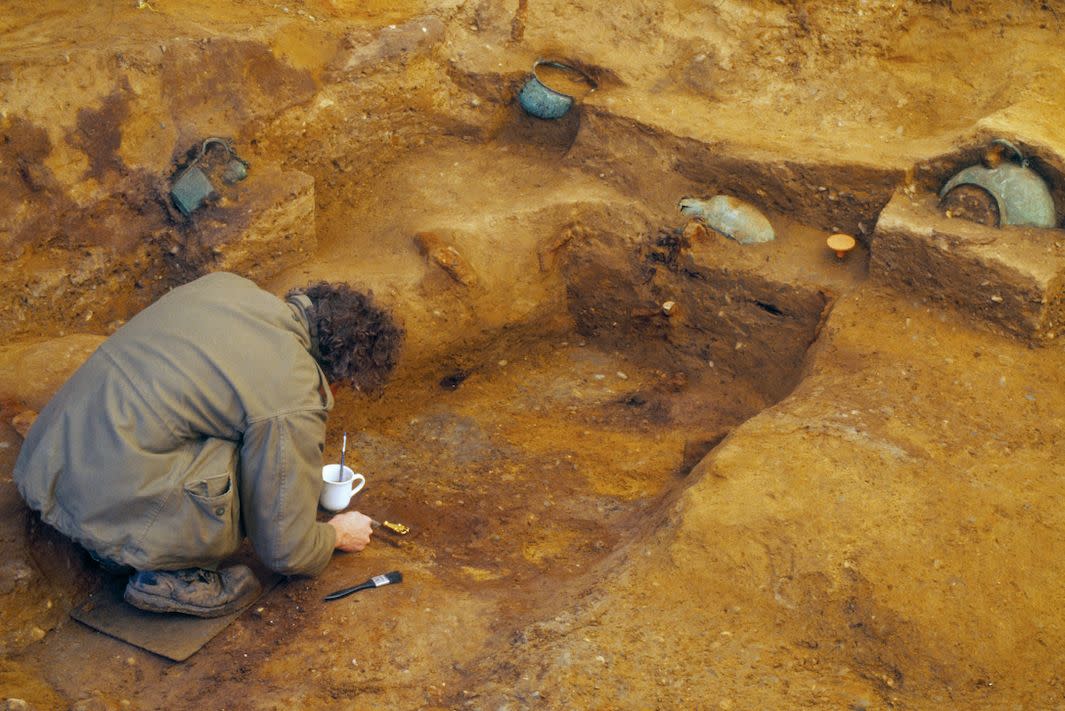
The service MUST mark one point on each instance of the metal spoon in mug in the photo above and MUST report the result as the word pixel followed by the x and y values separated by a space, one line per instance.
pixel 343 451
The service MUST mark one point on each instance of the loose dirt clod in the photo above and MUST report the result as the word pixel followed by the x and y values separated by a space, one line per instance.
pixel 23 421
pixel 446 256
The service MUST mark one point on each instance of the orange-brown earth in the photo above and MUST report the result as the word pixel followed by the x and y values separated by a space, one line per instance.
pixel 805 483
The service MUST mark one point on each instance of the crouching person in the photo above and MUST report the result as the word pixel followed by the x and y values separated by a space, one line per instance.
pixel 202 421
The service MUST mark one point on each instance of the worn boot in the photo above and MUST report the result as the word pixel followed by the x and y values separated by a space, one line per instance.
pixel 193 591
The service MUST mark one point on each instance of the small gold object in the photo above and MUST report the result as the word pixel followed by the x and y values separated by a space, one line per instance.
pixel 394 527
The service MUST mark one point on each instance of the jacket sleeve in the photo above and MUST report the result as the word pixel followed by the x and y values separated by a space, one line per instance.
pixel 280 480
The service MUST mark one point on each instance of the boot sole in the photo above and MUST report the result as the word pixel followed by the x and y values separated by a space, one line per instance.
pixel 158 603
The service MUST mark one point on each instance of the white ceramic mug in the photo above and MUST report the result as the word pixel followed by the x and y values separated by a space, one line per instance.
pixel 337 493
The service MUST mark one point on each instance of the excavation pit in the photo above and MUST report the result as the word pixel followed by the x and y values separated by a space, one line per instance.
pixel 531 457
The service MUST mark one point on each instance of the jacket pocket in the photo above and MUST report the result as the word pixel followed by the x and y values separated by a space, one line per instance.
pixel 208 489
pixel 200 523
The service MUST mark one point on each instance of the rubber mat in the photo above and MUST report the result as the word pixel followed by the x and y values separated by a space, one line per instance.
pixel 170 635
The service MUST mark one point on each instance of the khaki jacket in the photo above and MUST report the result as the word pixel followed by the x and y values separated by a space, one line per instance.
pixel 200 421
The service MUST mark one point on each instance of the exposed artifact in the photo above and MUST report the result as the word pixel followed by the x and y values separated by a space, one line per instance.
pixel 193 186
pixel 732 217
pixel 397 528
pixel 552 89
pixel 1020 195
pixel 841 244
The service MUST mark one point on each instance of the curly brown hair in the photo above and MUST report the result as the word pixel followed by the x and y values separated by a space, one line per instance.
pixel 357 340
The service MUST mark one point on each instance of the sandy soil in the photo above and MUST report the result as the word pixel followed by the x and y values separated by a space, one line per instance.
pixel 804 487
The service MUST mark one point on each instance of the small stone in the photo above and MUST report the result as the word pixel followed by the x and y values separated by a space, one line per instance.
pixel 502 363
pixel 622 375
pixel 997 299
pixel 92 704
pixel 599 376
pixel 14 704
pixel 667 307
pixel 37 634
pixel 14 574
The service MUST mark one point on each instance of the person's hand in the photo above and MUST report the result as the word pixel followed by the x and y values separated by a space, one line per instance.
pixel 353 531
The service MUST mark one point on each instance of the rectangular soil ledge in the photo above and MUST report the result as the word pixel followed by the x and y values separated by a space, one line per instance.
pixel 1010 278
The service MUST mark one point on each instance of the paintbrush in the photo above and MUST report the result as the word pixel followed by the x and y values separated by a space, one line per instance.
pixel 376 581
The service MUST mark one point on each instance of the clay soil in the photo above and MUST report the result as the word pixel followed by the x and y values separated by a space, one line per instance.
pixel 644 467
